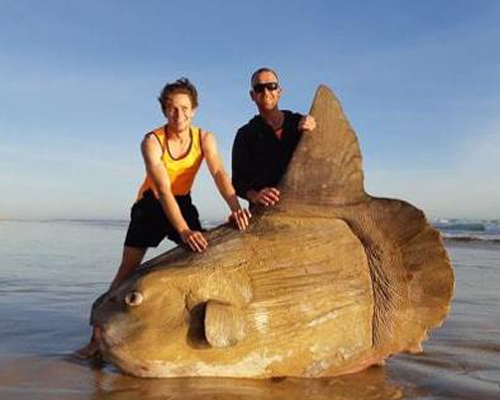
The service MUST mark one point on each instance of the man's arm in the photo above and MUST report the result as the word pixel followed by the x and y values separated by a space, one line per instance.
pixel 152 154
pixel 222 181
pixel 242 174
pixel 241 165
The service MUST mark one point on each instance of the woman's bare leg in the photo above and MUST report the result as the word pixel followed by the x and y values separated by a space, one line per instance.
pixel 131 259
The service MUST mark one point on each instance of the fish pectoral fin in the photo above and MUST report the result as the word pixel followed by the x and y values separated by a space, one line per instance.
pixel 224 324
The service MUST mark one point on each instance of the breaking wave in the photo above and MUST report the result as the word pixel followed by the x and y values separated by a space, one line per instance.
pixel 469 231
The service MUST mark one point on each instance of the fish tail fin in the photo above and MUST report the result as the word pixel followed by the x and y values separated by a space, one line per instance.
pixel 413 281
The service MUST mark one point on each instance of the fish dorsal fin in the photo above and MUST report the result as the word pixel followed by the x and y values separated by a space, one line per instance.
pixel 326 167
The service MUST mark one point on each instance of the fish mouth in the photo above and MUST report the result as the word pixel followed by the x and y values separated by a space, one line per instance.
pixel 107 343
pixel 112 351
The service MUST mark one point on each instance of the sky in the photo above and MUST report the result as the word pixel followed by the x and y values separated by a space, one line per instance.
pixel 419 82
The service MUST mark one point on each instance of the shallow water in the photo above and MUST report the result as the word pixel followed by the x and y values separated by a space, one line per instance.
pixel 51 271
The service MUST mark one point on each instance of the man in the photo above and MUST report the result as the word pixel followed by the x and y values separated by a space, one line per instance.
pixel 264 146
pixel 172 156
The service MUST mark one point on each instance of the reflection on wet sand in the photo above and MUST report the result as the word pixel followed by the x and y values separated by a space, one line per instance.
pixel 453 372
pixel 371 384
pixel 53 378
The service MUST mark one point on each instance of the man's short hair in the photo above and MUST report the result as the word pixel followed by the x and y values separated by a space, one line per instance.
pixel 182 85
pixel 259 71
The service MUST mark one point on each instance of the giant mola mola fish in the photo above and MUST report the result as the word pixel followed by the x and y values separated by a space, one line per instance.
pixel 329 281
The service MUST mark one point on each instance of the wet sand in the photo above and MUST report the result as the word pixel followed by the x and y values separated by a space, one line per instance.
pixel 47 286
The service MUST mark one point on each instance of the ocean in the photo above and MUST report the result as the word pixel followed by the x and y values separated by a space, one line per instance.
pixel 51 271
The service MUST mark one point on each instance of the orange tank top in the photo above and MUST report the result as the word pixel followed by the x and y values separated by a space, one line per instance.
pixel 181 171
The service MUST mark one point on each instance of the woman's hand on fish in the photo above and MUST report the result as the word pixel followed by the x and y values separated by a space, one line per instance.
pixel 195 240
pixel 241 218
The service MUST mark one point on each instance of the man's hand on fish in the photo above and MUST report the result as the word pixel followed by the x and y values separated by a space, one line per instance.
pixel 307 123
pixel 267 197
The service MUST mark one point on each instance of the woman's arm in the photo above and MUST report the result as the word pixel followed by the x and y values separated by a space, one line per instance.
pixel 152 154
pixel 222 181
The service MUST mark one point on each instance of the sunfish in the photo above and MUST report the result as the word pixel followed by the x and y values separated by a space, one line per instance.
pixel 329 281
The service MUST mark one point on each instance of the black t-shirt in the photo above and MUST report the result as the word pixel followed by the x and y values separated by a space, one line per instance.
pixel 259 158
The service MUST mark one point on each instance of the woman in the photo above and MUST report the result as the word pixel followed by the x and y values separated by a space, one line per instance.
pixel 172 155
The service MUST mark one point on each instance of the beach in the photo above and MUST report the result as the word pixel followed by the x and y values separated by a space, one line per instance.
pixel 51 271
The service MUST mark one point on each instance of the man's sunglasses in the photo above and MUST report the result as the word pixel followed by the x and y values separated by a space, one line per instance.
pixel 260 87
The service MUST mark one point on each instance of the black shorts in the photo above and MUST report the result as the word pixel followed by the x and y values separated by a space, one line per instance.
pixel 149 225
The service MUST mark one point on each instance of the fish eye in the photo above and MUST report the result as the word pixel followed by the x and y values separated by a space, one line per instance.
pixel 134 298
